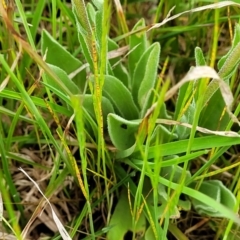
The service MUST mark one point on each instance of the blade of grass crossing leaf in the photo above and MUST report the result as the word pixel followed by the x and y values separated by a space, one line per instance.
pixel 157 159
pixel 230 225
pixel 175 196
pixel 146 168
pixel 77 106
pixel 198 144
pixel 217 154
pixel 103 70
pixel 225 72
pixel 201 197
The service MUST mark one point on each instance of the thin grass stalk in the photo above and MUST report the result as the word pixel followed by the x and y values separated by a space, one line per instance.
pixel 10 184
pixel 121 19
pixel 9 207
pixel 54 19
pixel 33 109
pixel 78 109
pixel 138 195
pixel 103 70
pixel 156 18
pixel 236 192
pixel 201 89
pixel 25 24
pixel 215 38
pixel 16 119
pixel 149 124
pixel 157 159
pixel 217 153
pixel 210 161
pixel 36 17
pixel 198 195
pixel 79 220
pixel 166 224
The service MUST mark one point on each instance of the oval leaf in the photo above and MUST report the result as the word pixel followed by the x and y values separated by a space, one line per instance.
pixel 121 220
pixel 106 107
pixel 137 45
pixel 216 190
pixel 145 74
pixel 122 132
pixel 120 97
pixel 73 88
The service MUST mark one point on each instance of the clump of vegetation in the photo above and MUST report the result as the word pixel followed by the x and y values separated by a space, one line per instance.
pixel 102 133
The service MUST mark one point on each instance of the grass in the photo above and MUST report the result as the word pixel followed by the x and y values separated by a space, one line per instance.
pixel 123 147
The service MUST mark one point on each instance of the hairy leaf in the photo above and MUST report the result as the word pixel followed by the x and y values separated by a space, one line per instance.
pixel 57 55
pixel 121 220
pixel 122 132
pixel 72 87
pixel 216 190
pixel 137 45
pixel 145 74
pixel 106 107
pixel 199 57
pixel 120 97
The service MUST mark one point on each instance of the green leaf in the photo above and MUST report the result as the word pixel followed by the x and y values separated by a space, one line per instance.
pixel 120 97
pixel 184 94
pixel 121 220
pixel 91 14
pixel 106 107
pixel 98 4
pixel 137 45
pixel 199 143
pixel 162 112
pixel 228 65
pixel 122 132
pixel 231 63
pixel 149 235
pixel 85 32
pixel 236 40
pixel 164 199
pixel 145 74
pixel 187 117
pixel 118 69
pixel 216 190
pixel 98 26
pixel 90 125
pixel 121 73
pixel 199 57
pixel 57 55
pixel 213 115
pixel 226 212
pixel 72 87
pixel 85 43
pixel 162 135
pixel 174 173
pixel 167 160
